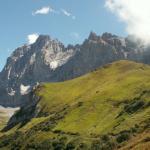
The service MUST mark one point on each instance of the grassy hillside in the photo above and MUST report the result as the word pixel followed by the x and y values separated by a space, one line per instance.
pixel 101 110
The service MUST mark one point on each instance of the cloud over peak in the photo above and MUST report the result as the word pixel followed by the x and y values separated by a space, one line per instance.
pixel 136 15
pixel 32 38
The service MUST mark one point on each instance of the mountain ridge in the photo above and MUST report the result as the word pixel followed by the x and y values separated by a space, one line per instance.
pixel 48 60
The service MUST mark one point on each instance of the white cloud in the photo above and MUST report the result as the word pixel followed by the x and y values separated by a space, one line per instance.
pixel 32 38
pixel 46 10
pixel 136 15
pixel 68 14
pixel 43 11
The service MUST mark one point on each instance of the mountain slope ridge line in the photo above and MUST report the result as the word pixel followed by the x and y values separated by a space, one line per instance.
pixel 48 60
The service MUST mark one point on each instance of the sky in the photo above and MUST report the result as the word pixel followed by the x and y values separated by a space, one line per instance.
pixel 70 21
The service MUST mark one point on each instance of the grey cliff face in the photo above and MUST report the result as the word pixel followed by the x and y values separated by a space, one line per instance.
pixel 48 60
pixel 29 65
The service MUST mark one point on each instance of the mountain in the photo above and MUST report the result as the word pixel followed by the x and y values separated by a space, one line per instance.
pixel 48 60
pixel 29 65
pixel 106 109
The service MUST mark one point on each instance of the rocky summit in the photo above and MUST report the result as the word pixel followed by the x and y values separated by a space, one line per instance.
pixel 48 60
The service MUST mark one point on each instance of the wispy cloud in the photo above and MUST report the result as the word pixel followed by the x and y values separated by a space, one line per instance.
pixel 32 38
pixel 47 9
pixel 136 15
pixel 68 14
pixel 43 11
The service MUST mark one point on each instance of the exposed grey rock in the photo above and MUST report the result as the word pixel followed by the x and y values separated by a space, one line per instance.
pixel 48 60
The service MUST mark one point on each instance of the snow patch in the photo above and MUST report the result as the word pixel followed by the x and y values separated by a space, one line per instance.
pixel 126 55
pixel 9 71
pixel 24 89
pixel 23 72
pixel 53 65
pixel 32 60
pixel 12 92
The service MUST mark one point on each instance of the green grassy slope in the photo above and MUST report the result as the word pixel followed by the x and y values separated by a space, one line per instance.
pixel 101 110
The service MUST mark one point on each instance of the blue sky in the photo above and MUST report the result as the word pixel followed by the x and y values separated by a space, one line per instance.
pixel 19 18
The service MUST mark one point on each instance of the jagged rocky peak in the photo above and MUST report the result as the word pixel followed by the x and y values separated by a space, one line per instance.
pixel 42 39
pixel 28 49
pixel 18 53
pixel 107 35
pixel 93 36
pixel 30 64
pixel 48 60
pixel 114 39
pixel 46 43
pixel 55 54
pixel 106 38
